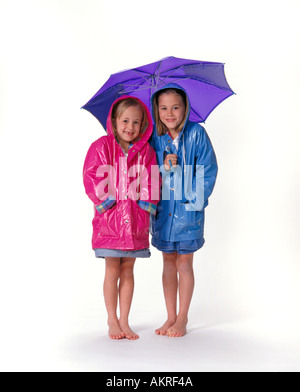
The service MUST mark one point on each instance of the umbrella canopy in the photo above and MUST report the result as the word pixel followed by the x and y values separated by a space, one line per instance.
pixel 204 82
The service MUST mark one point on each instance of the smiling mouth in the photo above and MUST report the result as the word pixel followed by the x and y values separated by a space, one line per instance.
pixel 129 133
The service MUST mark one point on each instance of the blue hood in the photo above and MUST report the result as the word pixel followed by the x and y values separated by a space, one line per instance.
pixel 168 86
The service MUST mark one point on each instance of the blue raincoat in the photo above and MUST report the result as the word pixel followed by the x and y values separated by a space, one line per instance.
pixel 186 188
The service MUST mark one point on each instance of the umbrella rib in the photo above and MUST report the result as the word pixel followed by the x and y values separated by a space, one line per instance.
pixel 172 72
pixel 135 85
pixel 158 70
pixel 146 78
pixel 197 114
pixel 206 82
pixel 175 80
pixel 133 89
pixel 158 77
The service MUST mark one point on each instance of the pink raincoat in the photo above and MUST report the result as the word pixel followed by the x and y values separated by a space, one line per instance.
pixel 122 198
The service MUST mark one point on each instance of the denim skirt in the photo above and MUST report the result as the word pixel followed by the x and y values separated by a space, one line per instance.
pixel 102 253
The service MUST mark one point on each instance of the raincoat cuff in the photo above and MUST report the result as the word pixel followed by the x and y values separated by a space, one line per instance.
pixel 106 205
pixel 144 205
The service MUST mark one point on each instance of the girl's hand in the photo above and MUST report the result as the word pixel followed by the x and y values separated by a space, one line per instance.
pixel 173 159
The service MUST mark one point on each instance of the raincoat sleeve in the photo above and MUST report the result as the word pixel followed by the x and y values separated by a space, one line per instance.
pixel 98 177
pixel 150 183
pixel 205 173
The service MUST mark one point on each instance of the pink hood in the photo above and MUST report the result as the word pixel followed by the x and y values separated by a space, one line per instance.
pixel 122 199
pixel 147 132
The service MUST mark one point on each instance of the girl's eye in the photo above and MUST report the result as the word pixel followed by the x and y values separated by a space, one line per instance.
pixel 137 123
pixel 125 121
pixel 176 107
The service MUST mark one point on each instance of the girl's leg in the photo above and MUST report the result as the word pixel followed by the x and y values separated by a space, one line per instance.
pixel 126 293
pixel 186 288
pixel 110 290
pixel 170 285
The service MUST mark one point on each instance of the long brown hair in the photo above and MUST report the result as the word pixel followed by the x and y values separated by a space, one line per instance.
pixel 160 126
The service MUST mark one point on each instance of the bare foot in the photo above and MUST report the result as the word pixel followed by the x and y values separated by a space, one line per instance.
pixel 128 332
pixel 178 329
pixel 115 331
pixel 163 330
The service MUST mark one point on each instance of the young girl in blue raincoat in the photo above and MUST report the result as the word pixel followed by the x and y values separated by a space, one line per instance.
pixel 189 170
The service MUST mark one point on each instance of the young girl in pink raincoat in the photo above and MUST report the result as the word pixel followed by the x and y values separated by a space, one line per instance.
pixel 122 179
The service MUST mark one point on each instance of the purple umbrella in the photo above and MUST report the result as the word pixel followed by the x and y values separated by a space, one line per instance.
pixel 204 82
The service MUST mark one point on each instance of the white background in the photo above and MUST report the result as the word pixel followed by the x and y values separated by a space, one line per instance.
pixel 55 54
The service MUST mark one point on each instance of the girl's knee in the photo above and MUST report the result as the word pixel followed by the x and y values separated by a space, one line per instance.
pixel 169 258
pixel 127 267
pixel 169 262
pixel 185 264
pixel 113 270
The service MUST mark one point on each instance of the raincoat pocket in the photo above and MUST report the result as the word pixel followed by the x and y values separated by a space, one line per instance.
pixel 142 222
pixel 188 220
pixel 107 224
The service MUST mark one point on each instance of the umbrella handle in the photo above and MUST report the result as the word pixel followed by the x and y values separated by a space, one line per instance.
pixel 168 151
pixel 171 166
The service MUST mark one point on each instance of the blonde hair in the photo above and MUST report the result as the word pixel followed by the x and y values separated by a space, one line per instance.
pixel 160 126
pixel 120 107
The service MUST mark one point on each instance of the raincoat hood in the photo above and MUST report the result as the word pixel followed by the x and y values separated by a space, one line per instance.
pixel 145 133
pixel 175 86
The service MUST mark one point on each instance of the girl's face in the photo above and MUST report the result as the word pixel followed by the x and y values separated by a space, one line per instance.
pixel 128 125
pixel 171 110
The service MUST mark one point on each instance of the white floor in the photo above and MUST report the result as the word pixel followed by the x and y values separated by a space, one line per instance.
pixel 62 327
pixel 257 344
